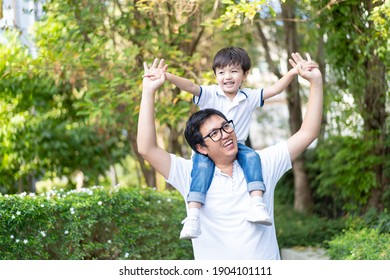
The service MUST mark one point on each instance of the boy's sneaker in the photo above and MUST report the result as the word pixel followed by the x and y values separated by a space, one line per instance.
pixel 191 228
pixel 258 214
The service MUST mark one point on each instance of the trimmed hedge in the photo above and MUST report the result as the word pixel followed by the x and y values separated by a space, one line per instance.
pixel 143 224
pixel 364 244
pixel 96 223
pixel 365 238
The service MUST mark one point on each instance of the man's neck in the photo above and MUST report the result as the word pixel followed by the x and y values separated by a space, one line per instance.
pixel 226 168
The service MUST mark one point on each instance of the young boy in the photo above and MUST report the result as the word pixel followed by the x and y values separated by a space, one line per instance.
pixel 231 67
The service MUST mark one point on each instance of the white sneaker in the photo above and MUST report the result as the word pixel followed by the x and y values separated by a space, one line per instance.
pixel 258 214
pixel 191 228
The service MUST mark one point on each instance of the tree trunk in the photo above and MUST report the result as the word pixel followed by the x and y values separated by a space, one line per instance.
pixel 303 201
pixel 148 172
pixel 375 124
pixel 375 118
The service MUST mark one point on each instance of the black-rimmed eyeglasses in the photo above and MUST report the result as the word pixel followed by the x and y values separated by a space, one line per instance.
pixel 216 134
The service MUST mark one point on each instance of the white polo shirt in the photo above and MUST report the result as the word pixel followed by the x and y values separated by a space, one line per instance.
pixel 239 110
pixel 226 234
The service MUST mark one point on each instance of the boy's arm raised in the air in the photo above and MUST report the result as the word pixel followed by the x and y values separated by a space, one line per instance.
pixel 311 124
pixel 283 83
pixel 280 85
pixel 184 84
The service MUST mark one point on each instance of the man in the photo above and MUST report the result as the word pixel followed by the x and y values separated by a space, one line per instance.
pixel 226 234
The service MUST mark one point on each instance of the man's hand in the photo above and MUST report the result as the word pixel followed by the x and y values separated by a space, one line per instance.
pixel 307 69
pixel 311 124
pixel 148 148
pixel 154 76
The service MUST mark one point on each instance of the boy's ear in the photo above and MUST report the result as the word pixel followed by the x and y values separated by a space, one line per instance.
pixel 244 78
pixel 201 149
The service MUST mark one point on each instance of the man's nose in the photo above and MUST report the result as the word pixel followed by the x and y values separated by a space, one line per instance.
pixel 224 134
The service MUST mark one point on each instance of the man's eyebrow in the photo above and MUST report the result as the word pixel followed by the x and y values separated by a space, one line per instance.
pixel 217 128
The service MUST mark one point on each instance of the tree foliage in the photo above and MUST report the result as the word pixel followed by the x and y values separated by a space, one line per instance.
pixel 357 49
pixel 79 98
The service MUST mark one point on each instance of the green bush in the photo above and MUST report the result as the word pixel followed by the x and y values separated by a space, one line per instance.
pixel 298 229
pixel 363 244
pixel 344 167
pixel 365 238
pixel 96 223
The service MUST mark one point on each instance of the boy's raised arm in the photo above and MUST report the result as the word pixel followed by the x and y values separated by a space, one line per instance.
pixel 280 85
pixel 154 78
pixel 184 84
pixel 311 124
pixel 283 83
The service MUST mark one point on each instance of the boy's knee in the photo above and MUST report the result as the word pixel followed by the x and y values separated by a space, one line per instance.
pixel 203 165
pixel 252 155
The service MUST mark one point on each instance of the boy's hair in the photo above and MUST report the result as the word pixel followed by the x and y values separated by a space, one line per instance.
pixel 232 56
pixel 192 130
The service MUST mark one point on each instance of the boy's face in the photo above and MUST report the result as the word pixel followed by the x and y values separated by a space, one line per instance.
pixel 230 78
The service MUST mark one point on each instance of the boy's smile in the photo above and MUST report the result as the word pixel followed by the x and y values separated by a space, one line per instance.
pixel 230 78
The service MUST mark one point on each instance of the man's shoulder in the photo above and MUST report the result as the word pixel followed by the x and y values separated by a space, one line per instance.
pixel 275 161
pixel 179 160
pixel 180 173
pixel 180 167
pixel 279 149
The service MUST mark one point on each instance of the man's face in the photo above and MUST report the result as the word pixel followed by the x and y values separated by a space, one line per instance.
pixel 223 150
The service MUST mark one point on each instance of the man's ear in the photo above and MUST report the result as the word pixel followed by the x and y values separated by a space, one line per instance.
pixel 201 149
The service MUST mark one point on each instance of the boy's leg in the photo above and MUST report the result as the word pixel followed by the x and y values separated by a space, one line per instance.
pixel 250 163
pixel 258 213
pixel 201 177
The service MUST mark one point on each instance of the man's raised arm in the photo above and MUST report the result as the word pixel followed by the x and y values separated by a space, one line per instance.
pixel 146 135
pixel 311 124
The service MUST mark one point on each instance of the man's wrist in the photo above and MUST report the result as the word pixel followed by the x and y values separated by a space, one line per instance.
pixel 148 91
pixel 317 81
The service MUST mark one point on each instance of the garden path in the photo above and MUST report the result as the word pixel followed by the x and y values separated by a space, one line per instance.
pixel 304 253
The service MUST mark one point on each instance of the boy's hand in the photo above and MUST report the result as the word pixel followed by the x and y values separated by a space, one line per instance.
pixel 154 76
pixel 307 69
pixel 154 72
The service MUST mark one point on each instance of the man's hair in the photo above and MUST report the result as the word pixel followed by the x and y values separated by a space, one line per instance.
pixel 192 131
pixel 232 56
